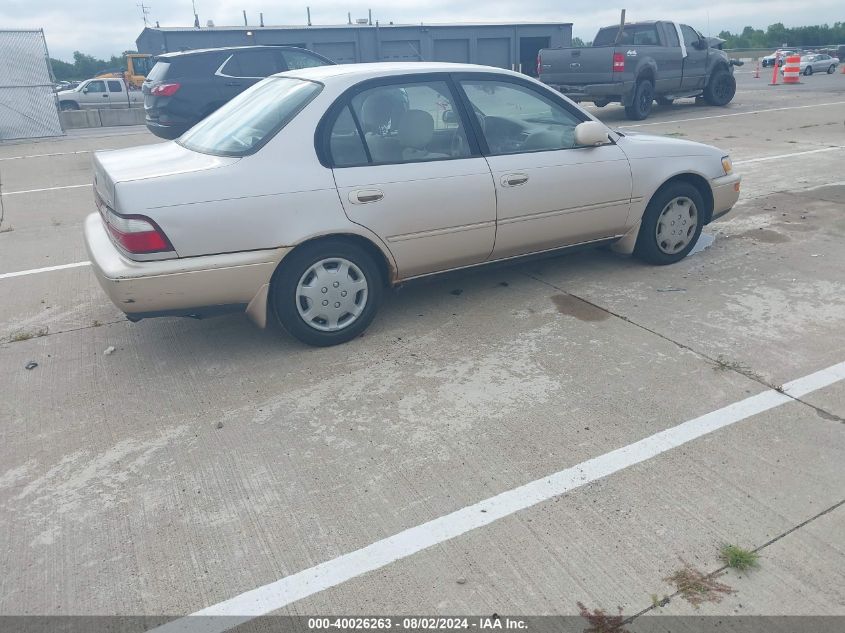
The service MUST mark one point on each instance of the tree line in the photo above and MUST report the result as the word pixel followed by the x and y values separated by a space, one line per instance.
pixel 85 66
pixel 778 35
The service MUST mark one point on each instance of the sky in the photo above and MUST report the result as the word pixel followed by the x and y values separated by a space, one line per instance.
pixel 105 27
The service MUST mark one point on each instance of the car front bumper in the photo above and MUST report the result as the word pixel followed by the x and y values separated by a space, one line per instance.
pixel 725 193
pixel 191 286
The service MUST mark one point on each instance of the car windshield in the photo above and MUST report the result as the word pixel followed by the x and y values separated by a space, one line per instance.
pixel 252 118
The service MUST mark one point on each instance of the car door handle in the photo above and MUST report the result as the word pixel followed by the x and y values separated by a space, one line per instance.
pixel 365 196
pixel 105 96
pixel 514 180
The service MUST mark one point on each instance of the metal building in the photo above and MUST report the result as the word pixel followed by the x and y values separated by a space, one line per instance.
pixel 28 106
pixel 503 45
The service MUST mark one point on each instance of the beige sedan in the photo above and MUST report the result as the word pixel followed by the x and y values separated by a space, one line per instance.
pixel 306 196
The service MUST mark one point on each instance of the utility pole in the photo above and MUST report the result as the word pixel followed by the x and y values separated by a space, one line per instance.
pixel 196 15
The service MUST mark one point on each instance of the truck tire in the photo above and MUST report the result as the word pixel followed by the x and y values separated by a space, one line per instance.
pixel 600 103
pixel 721 88
pixel 643 99
pixel 65 106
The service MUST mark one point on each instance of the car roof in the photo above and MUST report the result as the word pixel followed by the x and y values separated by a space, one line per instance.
pixel 383 69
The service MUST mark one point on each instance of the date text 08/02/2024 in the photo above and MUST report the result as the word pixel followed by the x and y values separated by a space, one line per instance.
pixel 410 623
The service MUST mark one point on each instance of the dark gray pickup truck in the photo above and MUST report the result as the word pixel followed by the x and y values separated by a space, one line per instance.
pixel 646 61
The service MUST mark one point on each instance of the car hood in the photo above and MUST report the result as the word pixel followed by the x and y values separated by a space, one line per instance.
pixel 149 161
pixel 638 145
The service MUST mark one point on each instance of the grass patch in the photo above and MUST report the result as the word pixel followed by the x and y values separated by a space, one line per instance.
pixel 25 335
pixel 697 587
pixel 601 622
pixel 739 558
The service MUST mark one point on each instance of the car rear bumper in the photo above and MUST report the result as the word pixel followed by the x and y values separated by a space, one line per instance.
pixel 191 286
pixel 588 92
pixel 725 194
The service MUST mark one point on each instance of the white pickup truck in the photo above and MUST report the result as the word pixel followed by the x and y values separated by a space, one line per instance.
pixel 101 94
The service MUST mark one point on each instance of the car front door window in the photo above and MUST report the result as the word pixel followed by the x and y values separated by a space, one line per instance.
pixel 96 86
pixel 514 118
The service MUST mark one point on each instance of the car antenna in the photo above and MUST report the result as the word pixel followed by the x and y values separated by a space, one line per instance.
pixel 621 28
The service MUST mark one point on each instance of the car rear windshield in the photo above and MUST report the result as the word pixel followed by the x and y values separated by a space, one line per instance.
pixel 159 71
pixel 634 35
pixel 252 118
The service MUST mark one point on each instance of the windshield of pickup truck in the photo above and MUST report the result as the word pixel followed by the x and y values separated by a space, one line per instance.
pixel 634 35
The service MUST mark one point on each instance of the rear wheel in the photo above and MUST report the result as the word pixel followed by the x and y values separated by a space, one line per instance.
pixel 721 88
pixel 640 108
pixel 671 224
pixel 600 103
pixel 327 292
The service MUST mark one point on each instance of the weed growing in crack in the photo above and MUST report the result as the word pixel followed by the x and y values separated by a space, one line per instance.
pixel 739 558
pixel 697 587
pixel 601 622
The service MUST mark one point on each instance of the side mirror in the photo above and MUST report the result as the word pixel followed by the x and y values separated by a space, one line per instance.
pixel 591 133
pixel 449 116
pixel 85 90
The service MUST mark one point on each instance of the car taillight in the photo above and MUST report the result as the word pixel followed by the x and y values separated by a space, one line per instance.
pixel 618 63
pixel 165 90
pixel 136 234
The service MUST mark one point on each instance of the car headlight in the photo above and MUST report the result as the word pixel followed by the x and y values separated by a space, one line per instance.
pixel 727 165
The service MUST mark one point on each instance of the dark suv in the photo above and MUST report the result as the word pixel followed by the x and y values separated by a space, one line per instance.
pixel 184 88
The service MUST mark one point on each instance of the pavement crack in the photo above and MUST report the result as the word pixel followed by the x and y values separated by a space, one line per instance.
pixel 667 599
pixel 718 363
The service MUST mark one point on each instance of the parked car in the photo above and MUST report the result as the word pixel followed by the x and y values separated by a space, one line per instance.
pixel 99 93
pixel 306 196
pixel 817 63
pixel 779 55
pixel 184 88
pixel 646 61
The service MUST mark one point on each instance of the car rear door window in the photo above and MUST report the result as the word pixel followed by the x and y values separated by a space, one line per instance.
pixel 671 35
pixel 114 86
pixel 294 60
pixel 410 122
pixel 252 64
pixel 515 118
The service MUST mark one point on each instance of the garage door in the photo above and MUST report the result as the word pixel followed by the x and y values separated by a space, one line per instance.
pixel 401 51
pixel 340 52
pixel 451 51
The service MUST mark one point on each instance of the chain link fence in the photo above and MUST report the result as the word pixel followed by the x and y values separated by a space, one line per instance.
pixel 28 106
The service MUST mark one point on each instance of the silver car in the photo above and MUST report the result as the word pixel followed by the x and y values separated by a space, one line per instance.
pixel 817 63
pixel 306 196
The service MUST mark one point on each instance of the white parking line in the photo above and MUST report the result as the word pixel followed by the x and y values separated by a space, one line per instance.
pixel 81 151
pixel 35 271
pixel 722 116
pixel 15 193
pixel 779 156
pixel 283 592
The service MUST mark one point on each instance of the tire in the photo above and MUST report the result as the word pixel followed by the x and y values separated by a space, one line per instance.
pixel 808 71
pixel 640 107
pixel 68 106
pixel 721 88
pixel 831 69
pixel 664 101
pixel 667 234
pixel 600 103
pixel 300 273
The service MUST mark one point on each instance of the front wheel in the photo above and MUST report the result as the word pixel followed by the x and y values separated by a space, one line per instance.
pixel 327 292
pixel 671 224
pixel 808 71
pixel 640 107
pixel 831 69
pixel 721 88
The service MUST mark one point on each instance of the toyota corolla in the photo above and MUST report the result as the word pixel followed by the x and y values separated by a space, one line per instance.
pixel 306 196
